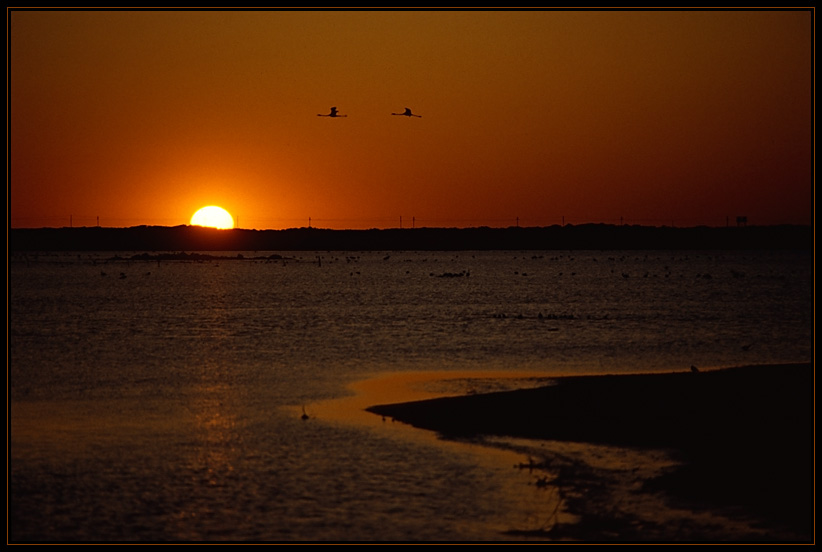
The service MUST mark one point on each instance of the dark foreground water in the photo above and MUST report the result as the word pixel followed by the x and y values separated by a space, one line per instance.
pixel 161 401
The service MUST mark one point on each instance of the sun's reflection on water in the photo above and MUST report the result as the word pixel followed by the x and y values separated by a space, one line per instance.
pixel 217 436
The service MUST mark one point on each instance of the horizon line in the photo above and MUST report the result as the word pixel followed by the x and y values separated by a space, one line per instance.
pixel 412 228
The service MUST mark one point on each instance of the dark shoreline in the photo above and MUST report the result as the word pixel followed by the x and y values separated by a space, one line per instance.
pixel 745 436
pixel 566 237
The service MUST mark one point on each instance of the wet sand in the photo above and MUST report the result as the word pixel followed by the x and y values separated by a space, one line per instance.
pixel 743 439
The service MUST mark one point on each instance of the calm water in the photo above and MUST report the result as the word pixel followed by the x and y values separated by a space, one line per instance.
pixel 160 401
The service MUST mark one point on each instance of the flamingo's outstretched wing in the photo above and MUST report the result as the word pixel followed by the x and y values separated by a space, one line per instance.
pixel 333 113
pixel 407 113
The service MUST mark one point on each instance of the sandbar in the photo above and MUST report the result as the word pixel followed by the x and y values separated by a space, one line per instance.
pixel 743 437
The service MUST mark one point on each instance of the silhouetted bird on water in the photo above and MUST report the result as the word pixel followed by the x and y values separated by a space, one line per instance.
pixel 407 113
pixel 333 113
pixel 304 416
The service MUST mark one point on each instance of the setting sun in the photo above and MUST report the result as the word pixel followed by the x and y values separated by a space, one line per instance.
pixel 214 217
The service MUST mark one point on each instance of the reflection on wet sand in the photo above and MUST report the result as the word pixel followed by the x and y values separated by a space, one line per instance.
pixel 650 458
pixel 535 505
pixel 391 388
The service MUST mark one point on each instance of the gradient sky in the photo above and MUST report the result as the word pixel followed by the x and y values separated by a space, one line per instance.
pixel 655 117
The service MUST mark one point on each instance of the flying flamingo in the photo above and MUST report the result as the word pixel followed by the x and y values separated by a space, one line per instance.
pixel 407 113
pixel 332 114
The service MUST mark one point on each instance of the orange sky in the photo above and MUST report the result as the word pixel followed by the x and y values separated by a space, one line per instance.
pixel 657 117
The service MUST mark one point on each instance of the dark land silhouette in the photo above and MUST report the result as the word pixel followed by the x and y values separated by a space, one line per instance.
pixel 568 237
pixel 745 436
